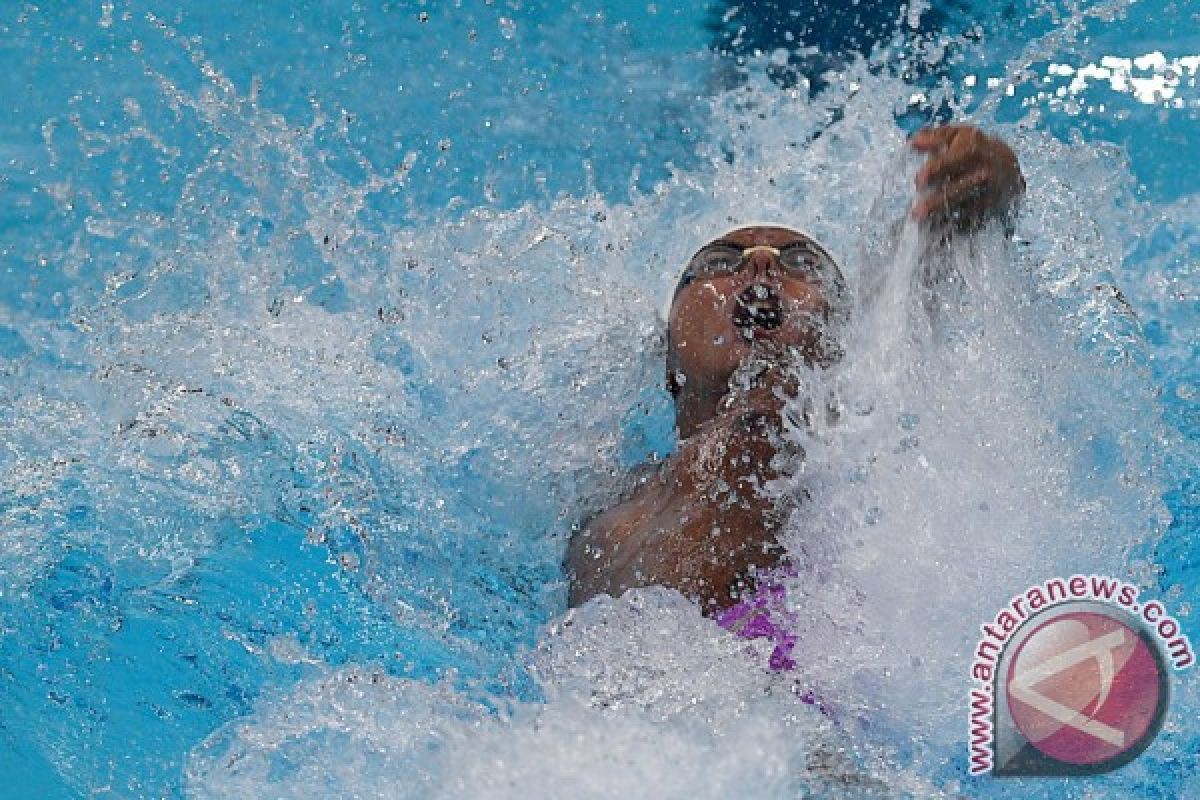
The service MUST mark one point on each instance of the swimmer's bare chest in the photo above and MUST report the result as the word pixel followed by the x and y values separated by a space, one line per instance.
pixel 698 525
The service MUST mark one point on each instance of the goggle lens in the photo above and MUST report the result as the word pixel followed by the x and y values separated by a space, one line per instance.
pixel 800 259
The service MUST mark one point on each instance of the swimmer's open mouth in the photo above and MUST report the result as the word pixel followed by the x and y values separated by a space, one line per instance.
pixel 758 306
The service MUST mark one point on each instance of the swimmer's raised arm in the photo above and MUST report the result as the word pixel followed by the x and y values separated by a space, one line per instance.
pixel 969 179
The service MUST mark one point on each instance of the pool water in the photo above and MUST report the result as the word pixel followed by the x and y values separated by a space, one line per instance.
pixel 320 329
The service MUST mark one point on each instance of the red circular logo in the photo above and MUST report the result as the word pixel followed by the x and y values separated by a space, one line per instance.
pixel 1084 688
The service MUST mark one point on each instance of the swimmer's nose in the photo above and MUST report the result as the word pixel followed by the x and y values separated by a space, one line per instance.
pixel 762 264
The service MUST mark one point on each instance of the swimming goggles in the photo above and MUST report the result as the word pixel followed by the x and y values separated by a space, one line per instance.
pixel 801 259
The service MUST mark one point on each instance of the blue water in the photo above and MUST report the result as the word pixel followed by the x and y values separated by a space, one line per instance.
pixel 320 328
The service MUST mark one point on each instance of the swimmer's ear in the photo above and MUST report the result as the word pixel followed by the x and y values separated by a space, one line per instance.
pixel 672 383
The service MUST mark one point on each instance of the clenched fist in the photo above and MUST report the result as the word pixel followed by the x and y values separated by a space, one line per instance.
pixel 968 179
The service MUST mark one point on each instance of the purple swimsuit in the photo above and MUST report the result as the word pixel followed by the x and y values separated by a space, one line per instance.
pixel 764 614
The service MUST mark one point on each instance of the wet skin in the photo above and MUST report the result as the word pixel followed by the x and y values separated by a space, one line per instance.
pixel 703 524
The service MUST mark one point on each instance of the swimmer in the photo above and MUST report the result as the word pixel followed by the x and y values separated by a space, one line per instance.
pixel 746 305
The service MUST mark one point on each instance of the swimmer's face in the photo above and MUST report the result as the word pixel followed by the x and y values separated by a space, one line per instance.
pixel 731 304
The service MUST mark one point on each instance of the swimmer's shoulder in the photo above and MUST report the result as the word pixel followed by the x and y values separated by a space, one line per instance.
pixel 606 539
pixel 644 490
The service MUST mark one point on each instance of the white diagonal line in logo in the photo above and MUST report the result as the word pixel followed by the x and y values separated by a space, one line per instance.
pixel 1100 649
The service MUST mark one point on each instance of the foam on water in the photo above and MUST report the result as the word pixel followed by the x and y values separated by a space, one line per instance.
pixel 433 405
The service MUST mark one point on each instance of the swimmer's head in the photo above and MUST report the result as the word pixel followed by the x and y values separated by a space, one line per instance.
pixel 761 291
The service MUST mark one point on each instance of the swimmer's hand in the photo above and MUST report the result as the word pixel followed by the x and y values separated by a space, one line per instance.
pixel 969 178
